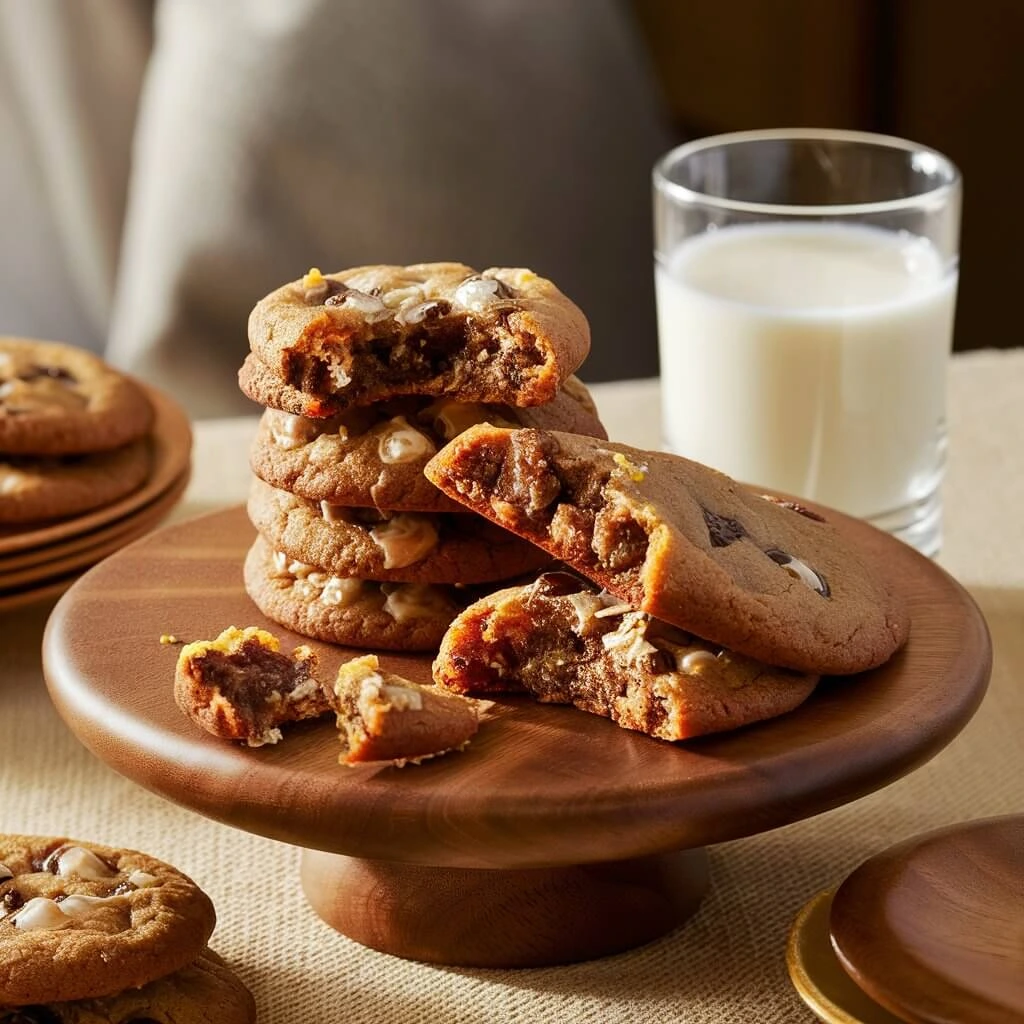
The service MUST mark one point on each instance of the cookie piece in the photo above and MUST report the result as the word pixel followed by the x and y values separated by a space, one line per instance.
pixel 408 547
pixel 385 717
pixel 60 400
pixel 684 543
pixel 370 333
pixel 564 642
pixel 374 455
pixel 34 488
pixel 111 918
pixel 207 991
pixel 356 613
pixel 241 686
pixel 264 387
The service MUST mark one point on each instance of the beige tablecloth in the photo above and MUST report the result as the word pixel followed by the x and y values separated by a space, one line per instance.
pixel 727 964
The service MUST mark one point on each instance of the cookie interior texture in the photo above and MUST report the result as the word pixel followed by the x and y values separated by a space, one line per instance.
pixel 504 335
pixel 385 717
pixel 684 543
pixel 242 686
pixel 565 642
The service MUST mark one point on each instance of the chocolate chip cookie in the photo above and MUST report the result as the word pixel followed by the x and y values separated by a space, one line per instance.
pixel 242 686
pixel 565 642
pixel 60 400
pixel 408 547
pixel 385 717
pixel 369 333
pixel 205 992
pixel 374 455
pixel 34 488
pixel 764 577
pixel 112 919
pixel 344 610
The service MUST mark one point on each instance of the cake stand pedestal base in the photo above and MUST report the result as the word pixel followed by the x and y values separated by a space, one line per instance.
pixel 535 917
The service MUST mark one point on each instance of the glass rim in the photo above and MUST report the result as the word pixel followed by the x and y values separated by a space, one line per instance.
pixel 682 193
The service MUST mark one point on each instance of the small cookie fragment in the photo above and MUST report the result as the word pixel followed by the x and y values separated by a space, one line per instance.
pixel 111 919
pixel 384 717
pixel 241 686
pixel 565 642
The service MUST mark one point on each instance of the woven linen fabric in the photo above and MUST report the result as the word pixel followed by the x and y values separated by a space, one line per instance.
pixel 727 964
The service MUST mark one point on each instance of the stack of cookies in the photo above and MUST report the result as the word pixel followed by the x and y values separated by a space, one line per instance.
pixel 89 933
pixel 365 375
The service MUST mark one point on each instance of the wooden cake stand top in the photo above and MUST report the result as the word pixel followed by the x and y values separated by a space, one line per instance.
pixel 539 786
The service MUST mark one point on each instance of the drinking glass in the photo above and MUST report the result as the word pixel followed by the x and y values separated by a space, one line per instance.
pixel 806 285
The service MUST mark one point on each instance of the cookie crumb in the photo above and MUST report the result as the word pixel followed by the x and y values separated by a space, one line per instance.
pixel 169 638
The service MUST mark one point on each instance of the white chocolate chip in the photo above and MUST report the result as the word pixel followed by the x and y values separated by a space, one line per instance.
pixel 369 306
pixel 11 480
pixel 290 432
pixel 586 606
pixel 402 442
pixel 79 904
pixel 410 601
pixel 408 296
pixel 77 862
pixel 477 293
pixel 405 538
pixel 694 660
pixel 142 879
pixel 629 638
pixel 41 914
pixel 339 592
pixel 416 314
pixel 335 513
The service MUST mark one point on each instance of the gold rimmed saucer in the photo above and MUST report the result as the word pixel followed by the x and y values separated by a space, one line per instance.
pixel 819 977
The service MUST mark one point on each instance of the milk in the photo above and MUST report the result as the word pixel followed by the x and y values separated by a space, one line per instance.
pixel 809 359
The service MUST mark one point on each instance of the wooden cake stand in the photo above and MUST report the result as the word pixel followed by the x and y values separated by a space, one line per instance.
pixel 555 836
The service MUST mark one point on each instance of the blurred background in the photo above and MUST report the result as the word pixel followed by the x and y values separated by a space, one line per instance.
pixel 167 162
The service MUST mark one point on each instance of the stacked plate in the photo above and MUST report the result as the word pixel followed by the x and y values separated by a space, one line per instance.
pixel 42 560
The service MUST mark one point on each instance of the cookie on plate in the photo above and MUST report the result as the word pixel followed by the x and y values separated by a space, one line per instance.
pixel 369 333
pixel 34 488
pixel 207 991
pixel 111 918
pixel 374 455
pixel 385 717
pixel 764 577
pixel 565 642
pixel 408 547
pixel 356 613
pixel 242 686
pixel 56 399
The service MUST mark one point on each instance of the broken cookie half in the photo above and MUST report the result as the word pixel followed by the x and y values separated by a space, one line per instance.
pixel 565 641
pixel 760 575
pixel 385 717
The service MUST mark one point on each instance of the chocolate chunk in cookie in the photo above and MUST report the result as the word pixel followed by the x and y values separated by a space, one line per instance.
pixel 112 919
pixel 565 642
pixel 242 686
pixel 60 400
pixel 683 543
pixel 369 333
pixel 384 717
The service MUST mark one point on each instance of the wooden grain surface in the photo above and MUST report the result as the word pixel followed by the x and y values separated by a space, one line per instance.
pixel 933 928
pixel 539 786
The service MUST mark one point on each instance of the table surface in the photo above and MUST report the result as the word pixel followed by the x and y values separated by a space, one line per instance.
pixel 728 963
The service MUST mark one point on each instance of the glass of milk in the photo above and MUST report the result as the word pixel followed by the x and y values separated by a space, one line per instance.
pixel 806 283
